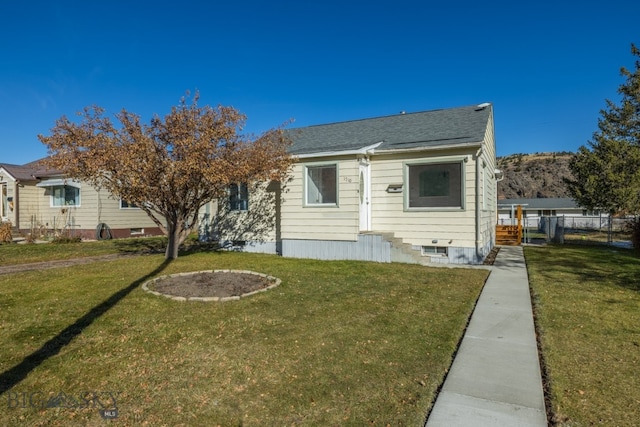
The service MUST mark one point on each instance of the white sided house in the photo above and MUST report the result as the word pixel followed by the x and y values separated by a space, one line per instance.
pixel 37 202
pixel 534 209
pixel 415 187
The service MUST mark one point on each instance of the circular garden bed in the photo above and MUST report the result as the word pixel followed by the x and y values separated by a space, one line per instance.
pixel 210 285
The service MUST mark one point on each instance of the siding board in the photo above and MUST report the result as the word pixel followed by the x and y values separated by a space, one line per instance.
pixel 365 248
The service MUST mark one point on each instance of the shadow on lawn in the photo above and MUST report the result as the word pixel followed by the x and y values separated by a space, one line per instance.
pixel 147 245
pixel 13 376
pixel 158 245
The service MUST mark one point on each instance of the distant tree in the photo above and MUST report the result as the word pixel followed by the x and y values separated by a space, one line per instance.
pixel 606 173
pixel 171 167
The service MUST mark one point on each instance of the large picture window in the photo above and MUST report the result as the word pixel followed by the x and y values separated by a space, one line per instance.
pixel 322 185
pixel 238 197
pixel 435 185
pixel 65 195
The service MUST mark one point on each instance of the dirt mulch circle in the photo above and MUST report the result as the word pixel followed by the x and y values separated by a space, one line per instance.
pixel 218 285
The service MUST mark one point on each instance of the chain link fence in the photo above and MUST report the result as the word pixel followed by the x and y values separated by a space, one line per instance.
pixel 578 230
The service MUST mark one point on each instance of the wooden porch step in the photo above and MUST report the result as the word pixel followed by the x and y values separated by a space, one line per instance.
pixel 508 235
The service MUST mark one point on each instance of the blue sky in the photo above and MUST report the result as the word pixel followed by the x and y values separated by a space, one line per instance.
pixel 547 66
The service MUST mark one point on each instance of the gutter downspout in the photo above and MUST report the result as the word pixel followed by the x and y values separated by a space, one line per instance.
pixel 478 211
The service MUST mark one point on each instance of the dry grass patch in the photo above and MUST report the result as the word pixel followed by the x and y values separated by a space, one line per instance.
pixel 12 254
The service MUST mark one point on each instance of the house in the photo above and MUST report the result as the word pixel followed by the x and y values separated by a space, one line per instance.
pixel 413 187
pixel 417 187
pixel 37 200
pixel 534 210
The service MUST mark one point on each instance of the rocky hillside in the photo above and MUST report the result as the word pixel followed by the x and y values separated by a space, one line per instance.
pixel 538 175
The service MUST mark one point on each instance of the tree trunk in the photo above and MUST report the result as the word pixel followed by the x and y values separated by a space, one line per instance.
pixel 174 234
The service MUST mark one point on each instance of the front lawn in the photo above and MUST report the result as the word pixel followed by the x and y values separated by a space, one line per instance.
pixel 13 253
pixel 588 313
pixel 337 343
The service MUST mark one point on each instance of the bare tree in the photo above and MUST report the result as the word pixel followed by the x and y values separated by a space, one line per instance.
pixel 171 167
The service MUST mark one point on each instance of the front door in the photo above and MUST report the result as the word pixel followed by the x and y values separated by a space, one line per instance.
pixel 365 196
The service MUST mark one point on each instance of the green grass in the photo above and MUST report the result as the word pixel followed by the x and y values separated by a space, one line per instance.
pixel 337 343
pixel 595 237
pixel 588 313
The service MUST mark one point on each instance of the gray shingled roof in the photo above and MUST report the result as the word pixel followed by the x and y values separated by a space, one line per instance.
pixel 427 129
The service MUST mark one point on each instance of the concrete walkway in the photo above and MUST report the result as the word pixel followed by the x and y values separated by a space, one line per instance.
pixel 495 378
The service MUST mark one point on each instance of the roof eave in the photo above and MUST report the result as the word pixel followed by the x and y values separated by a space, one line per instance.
pixel 361 151
pixel 429 148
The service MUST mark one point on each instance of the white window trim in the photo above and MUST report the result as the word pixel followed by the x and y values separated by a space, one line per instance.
pixel 52 198
pixel 305 175
pixel 435 161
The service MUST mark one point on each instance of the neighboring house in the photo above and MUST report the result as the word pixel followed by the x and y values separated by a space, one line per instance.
pixel 36 200
pixel 417 187
pixel 536 208
pixel 533 210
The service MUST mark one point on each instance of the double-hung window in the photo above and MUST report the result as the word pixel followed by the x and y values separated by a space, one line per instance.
pixel 65 195
pixel 238 197
pixel 435 185
pixel 321 185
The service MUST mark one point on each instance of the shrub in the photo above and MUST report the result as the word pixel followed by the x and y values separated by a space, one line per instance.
pixel 633 226
pixel 67 239
pixel 5 233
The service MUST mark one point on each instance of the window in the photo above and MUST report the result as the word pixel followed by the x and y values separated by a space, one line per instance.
pixel 483 177
pixel 434 250
pixel 322 185
pixel 238 197
pixel 435 185
pixel 126 205
pixel 65 195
